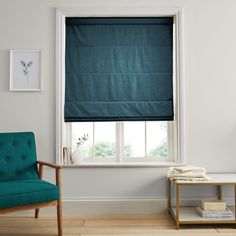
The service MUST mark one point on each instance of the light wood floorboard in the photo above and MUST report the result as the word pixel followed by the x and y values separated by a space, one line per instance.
pixel 124 225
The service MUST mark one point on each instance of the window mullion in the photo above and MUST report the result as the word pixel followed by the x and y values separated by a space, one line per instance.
pixel 93 139
pixel 122 138
pixel 119 141
pixel 145 127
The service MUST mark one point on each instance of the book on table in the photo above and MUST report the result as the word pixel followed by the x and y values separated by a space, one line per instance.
pixel 214 214
pixel 213 205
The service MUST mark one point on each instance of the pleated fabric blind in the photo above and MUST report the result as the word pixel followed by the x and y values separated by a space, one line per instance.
pixel 119 69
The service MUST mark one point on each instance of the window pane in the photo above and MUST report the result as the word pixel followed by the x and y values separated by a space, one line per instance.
pixel 156 138
pixel 105 133
pixel 134 139
pixel 82 136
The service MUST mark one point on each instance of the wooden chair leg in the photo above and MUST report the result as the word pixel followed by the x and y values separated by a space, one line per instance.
pixel 36 214
pixel 59 218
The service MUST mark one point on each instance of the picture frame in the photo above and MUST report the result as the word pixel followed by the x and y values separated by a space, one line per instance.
pixel 26 70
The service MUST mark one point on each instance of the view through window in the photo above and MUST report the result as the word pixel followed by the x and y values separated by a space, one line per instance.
pixel 121 141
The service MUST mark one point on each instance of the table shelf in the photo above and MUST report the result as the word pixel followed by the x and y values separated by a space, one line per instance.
pixel 191 216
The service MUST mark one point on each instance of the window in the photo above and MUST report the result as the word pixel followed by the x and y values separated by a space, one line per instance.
pixel 137 141
pixel 114 141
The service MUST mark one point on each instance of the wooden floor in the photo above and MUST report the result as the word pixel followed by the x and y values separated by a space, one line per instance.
pixel 135 225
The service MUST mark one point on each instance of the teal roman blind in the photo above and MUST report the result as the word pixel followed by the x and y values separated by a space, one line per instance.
pixel 119 69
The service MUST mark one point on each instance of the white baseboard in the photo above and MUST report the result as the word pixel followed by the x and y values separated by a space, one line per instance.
pixel 115 206
pixel 102 206
pixel 106 206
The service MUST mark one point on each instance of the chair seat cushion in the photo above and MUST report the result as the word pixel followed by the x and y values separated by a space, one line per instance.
pixel 26 192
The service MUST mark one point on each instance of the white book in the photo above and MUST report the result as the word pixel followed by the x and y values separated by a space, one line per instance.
pixel 214 214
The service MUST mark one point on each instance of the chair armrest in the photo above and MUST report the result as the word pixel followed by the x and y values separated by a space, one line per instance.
pixel 55 166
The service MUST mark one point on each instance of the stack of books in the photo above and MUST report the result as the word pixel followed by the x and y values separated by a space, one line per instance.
pixel 214 209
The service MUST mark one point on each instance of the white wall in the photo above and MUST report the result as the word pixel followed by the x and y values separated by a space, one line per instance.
pixel 210 84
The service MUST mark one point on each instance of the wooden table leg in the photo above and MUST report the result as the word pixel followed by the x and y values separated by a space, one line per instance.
pixel 177 206
pixel 220 192
pixel 169 195
pixel 235 202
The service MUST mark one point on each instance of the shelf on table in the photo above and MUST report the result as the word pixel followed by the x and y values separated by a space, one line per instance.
pixel 191 214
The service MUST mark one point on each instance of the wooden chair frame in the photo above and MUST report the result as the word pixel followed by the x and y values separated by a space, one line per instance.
pixel 37 206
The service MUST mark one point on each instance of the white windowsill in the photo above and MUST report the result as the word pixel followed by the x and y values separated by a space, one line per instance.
pixel 123 164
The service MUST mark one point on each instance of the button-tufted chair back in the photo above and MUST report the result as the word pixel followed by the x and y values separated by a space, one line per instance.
pixel 17 156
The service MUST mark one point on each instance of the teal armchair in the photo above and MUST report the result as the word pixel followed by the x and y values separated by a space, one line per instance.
pixel 21 184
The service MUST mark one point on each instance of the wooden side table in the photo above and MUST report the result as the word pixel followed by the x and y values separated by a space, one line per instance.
pixel 189 215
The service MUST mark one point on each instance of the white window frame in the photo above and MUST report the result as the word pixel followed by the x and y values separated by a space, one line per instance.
pixel 176 128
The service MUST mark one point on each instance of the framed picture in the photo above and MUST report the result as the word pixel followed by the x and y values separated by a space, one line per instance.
pixel 26 70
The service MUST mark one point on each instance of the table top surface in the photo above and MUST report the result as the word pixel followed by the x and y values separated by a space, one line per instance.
pixel 215 179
